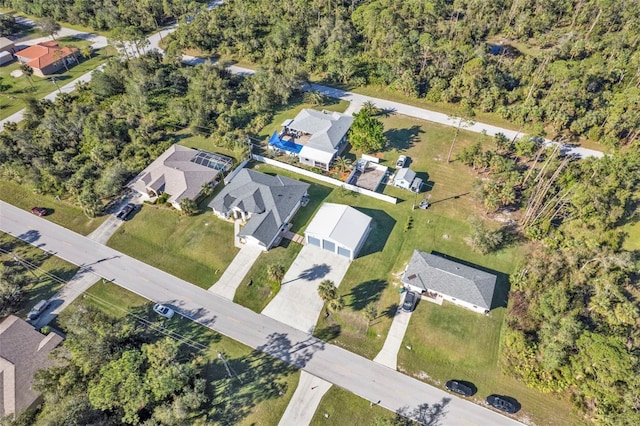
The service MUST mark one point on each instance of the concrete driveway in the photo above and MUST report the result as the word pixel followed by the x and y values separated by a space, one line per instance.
pixel 236 271
pixel 297 304
pixel 388 355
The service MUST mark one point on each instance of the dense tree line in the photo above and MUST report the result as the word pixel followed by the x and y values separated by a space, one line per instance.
pixel 89 144
pixel 145 15
pixel 577 73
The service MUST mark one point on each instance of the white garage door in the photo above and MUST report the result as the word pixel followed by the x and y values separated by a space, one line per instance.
pixel 328 245
pixel 344 252
pixel 313 240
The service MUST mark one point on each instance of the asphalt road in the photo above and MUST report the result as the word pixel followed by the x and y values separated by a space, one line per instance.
pixel 372 381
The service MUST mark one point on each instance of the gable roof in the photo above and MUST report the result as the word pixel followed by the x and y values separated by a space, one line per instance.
pixel 405 173
pixel 431 272
pixel 23 351
pixel 326 128
pixel 176 173
pixel 269 200
pixel 340 223
pixel 44 54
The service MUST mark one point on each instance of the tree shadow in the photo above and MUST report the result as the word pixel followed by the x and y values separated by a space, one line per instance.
pixel 365 293
pixel 391 311
pixel 329 333
pixel 403 139
pixel 423 414
pixel 381 226
pixel 296 354
pixel 315 272
pixel 31 236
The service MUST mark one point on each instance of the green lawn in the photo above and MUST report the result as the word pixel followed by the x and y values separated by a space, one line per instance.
pixel 258 295
pixel 632 241
pixel 46 273
pixel 197 249
pixel 188 139
pixel 265 385
pixel 16 89
pixel 346 408
pixel 449 342
pixel 62 212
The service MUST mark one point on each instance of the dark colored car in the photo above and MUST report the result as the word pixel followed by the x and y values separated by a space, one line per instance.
pixel 410 299
pixel 39 211
pixel 458 387
pixel 501 403
pixel 126 211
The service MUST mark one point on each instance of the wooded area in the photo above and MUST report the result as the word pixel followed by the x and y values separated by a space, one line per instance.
pixel 570 67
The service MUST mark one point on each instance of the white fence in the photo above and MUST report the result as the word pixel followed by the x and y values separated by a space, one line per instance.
pixel 235 171
pixel 326 179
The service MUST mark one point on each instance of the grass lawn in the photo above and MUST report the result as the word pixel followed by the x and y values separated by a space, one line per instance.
pixel 12 99
pixel 265 385
pixel 188 139
pixel 449 342
pixel 632 242
pixel 257 295
pixel 51 272
pixel 62 212
pixel 346 408
pixel 197 249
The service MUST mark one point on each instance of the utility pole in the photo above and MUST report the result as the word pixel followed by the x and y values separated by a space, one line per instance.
pixel 54 81
pixel 24 265
pixel 230 371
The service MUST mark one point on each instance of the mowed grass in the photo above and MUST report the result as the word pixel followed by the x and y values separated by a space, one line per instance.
pixel 261 291
pixel 261 386
pixel 632 241
pixel 197 249
pixel 190 140
pixel 17 89
pixel 449 342
pixel 62 212
pixel 346 408
pixel 45 273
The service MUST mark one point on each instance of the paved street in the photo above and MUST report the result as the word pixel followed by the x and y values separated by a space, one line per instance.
pixel 352 372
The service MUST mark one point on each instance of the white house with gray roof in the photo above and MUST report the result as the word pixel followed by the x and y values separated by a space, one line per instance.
pixel 406 178
pixel 316 137
pixel 339 229
pixel 265 203
pixel 180 172
pixel 442 278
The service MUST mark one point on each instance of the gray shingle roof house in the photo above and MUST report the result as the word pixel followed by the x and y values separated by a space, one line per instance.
pixel 339 229
pixel 460 284
pixel 315 136
pixel 180 172
pixel 267 202
pixel 23 351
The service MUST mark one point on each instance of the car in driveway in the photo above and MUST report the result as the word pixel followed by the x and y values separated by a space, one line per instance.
pixel 39 211
pixel 410 300
pixel 163 310
pixel 458 387
pixel 402 160
pixel 126 211
pixel 501 403
pixel 37 310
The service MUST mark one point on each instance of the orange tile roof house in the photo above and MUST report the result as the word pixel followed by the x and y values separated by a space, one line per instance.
pixel 23 351
pixel 47 57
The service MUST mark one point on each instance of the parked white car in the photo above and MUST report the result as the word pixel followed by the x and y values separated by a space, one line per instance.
pixel 401 161
pixel 165 311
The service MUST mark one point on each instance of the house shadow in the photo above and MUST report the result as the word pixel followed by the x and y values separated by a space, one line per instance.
pixel 501 292
pixel 365 293
pixel 381 226
pixel 403 139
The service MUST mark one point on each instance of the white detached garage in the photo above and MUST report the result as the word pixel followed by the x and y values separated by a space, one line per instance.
pixel 339 229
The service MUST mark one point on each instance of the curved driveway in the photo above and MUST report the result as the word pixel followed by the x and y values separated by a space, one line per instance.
pixel 359 375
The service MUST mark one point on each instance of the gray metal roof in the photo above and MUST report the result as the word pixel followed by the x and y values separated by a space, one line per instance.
pixel 431 272
pixel 406 174
pixel 269 199
pixel 325 127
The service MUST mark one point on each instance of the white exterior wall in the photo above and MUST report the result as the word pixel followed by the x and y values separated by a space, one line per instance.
pixel 402 183
pixel 335 243
pixel 448 298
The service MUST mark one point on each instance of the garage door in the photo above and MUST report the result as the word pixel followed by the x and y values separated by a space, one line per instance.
pixel 344 252
pixel 314 241
pixel 328 245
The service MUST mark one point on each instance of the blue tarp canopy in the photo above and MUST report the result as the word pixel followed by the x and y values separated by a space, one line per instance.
pixel 285 145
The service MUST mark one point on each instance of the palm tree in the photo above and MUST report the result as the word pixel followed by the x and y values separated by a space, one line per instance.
pixel 327 290
pixel 370 312
pixel 275 273
pixel 28 72
pixel 342 164
pixel 336 304
pixel 370 108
